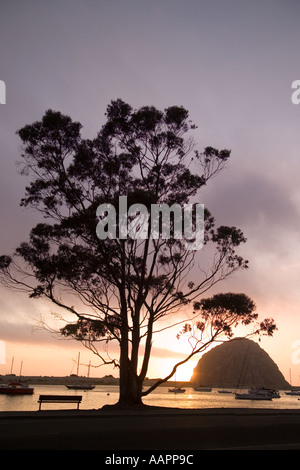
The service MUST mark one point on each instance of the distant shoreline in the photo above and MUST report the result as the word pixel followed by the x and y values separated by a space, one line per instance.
pixel 60 380
pixel 106 380
pixel 74 379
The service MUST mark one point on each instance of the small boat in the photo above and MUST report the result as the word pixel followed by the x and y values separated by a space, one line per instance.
pixel 293 392
pixel 80 387
pixel 202 389
pixel 177 390
pixel 252 396
pixel 16 388
pixel 258 393
pixel 265 391
pixel 224 391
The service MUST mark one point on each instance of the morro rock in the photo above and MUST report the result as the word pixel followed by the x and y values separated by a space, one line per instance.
pixel 238 363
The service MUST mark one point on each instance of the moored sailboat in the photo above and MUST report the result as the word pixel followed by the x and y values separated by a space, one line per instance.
pixel 258 393
pixel 252 396
pixel 80 386
pixel 202 389
pixel 177 390
pixel 16 388
pixel 293 392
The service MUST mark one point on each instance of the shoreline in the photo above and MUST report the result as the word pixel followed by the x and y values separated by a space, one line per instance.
pixel 149 410
pixel 74 379
pixel 109 380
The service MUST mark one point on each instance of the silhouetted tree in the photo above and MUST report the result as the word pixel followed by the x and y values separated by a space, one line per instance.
pixel 119 287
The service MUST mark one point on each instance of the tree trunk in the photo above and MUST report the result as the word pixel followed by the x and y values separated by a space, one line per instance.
pixel 130 388
pixel 130 393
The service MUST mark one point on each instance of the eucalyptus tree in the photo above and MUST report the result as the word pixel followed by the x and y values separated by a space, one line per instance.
pixel 92 261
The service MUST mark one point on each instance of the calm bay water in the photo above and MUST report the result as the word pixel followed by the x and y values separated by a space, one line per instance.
pixel 102 395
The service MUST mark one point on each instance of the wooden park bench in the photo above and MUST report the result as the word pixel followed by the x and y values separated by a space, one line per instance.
pixel 60 399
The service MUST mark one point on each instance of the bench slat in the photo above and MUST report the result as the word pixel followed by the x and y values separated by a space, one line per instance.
pixel 60 399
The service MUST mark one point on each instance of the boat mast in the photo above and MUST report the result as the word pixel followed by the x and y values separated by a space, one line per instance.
pixel 243 371
pixel 78 364
pixel 11 367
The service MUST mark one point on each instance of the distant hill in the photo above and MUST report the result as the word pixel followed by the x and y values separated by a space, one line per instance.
pixel 239 362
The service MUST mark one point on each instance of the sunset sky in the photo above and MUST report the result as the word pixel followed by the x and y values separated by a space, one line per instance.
pixel 231 64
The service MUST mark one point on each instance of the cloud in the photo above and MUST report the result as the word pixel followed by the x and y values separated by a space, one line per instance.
pixel 263 207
